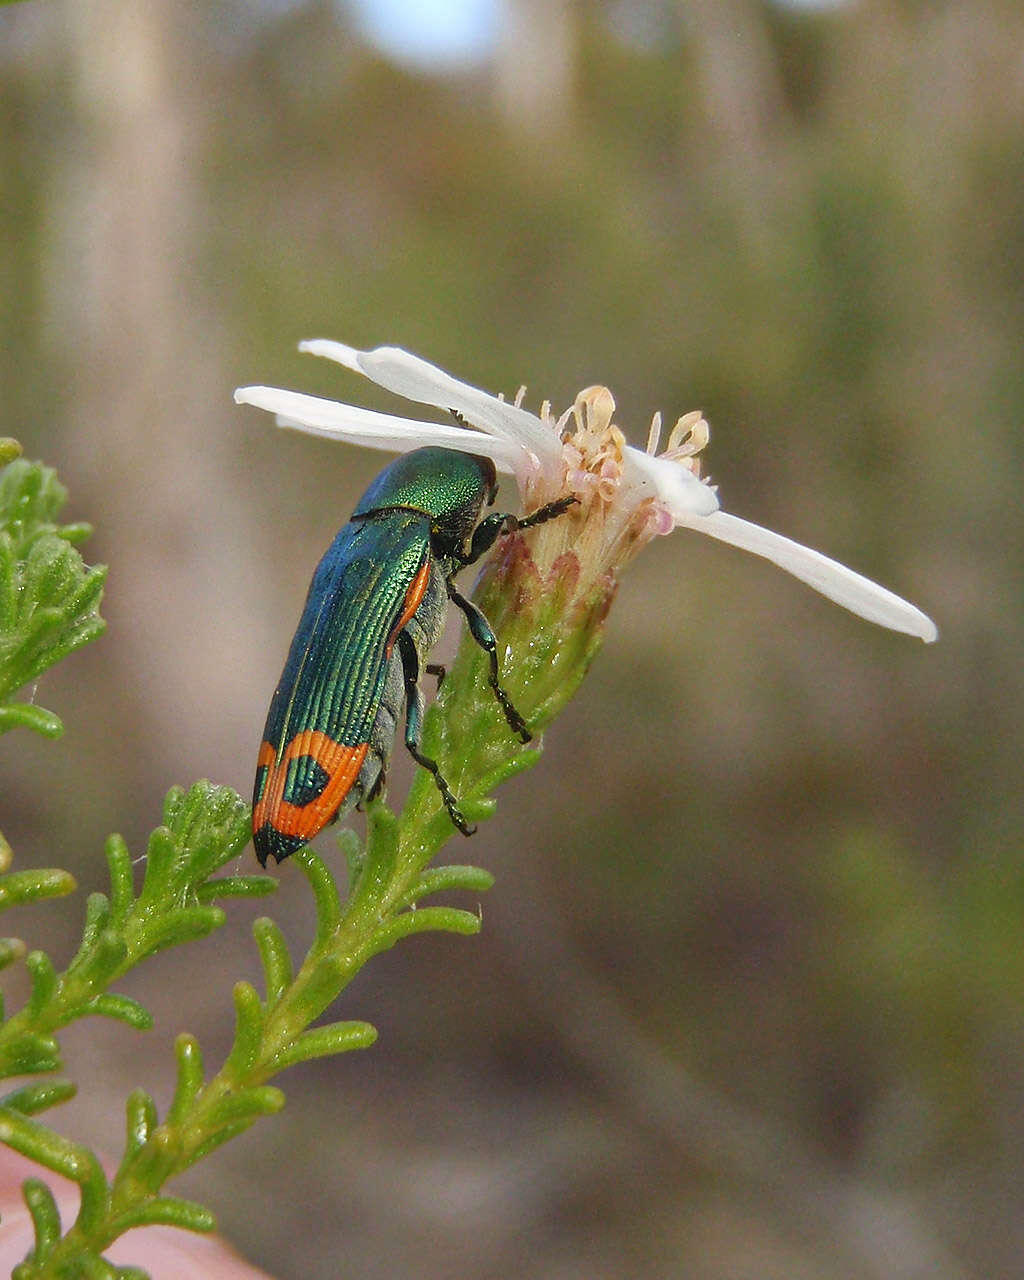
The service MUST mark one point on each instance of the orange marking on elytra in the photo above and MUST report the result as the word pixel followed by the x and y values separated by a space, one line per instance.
pixel 413 596
pixel 339 762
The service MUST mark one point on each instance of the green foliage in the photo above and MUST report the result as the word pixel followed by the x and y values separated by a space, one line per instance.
pixel 204 828
pixel 49 599
pixel 49 610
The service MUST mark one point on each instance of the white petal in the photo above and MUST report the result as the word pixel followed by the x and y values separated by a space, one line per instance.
pixel 375 430
pixel 674 485
pixel 415 379
pixel 851 590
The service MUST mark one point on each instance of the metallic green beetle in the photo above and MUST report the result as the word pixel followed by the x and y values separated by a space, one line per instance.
pixel 375 608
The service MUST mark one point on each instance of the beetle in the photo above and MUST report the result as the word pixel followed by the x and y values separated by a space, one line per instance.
pixel 375 607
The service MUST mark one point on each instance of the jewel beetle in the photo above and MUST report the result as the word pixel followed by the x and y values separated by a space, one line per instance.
pixel 375 607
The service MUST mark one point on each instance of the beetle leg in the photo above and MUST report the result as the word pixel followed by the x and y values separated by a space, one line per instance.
pixel 491 527
pixel 480 630
pixel 414 727
pixel 549 511
pixel 436 669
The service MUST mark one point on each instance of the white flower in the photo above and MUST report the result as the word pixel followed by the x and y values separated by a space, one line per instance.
pixel 627 495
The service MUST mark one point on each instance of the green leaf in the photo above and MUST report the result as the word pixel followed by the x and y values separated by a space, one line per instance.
pixel 236 887
pixel 97 917
pixel 166 1211
pixel 321 1042
pixel 355 856
pixel 190 1077
pixel 448 879
pixel 277 963
pixel 248 1029
pixel 101 962
pixel 49 599
pixel 379 862
pixel 322 985
pixel 424 920
pixel 140 1121
pixel 179 926
pixel 26 715
pixel 30 1099
pixel 325 894
pixel 44 981
pixel 217 1139
pixel 122 880
pixel 161 855
pixel 247 1105
pixel 111 1005
pixel 211 825
pixel 11 950
pixel 29 1053
pixel 20 887
pixel 45 1216
pixel 69 1159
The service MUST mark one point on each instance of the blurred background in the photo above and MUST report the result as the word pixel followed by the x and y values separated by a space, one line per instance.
pixel 747 1000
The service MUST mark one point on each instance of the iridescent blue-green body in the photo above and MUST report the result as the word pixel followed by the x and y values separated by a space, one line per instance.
pixel 375 608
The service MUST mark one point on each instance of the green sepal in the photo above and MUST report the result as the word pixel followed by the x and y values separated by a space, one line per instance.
pixel 248 1029
pixel 322 1042
pixel 448 879
pixel 111 1005
pixel 27 715
pixel 140 1121
pixel 45 1215
pixel 31 1099
pixel 190 1077
pixel 166 1211
pixel 274 955
pixel 20 887
pixel 325 894
pixel 131 1273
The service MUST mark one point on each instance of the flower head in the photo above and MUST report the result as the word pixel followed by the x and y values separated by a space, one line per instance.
pixel 627 496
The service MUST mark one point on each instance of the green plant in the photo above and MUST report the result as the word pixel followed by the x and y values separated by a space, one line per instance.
pixel 546 591
pixel 49 601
